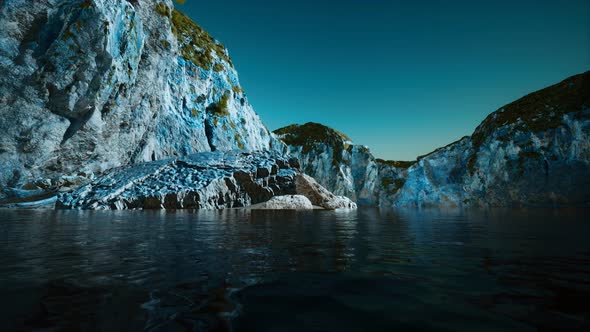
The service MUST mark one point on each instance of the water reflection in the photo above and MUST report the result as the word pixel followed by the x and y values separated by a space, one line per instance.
pixel 210 270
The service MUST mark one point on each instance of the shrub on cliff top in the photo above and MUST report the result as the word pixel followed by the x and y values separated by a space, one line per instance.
pixel 396 163
pixel 539 111
pixel 196 45
pixel 311 135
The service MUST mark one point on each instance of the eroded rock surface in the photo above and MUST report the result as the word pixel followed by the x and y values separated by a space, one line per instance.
pixel 207 180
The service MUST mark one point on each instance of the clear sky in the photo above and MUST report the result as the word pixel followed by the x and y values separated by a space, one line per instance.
pixel 403 77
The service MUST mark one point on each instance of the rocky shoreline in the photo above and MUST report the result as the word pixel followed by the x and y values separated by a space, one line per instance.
pixel 208 180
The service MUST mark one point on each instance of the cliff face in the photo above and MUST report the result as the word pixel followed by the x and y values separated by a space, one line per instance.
pixel 535 151
pixel 335 162
pixel 88 85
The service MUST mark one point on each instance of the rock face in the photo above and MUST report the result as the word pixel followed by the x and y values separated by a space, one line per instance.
pixel 207 180
pixel 88 85
pixel 535 151
pixel 345 168
pixel 331 158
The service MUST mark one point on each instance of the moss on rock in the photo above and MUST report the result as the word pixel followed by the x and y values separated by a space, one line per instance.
pixel 217 67
pixel 238 139
pixel 165 44
pixel 196 45
pixel 162 9
pixel 220 108
pixel 539 111
pixel 392 186
pixel 396 163
pixel 237 89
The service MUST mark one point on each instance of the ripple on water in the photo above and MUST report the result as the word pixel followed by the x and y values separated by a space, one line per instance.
pixel 292 271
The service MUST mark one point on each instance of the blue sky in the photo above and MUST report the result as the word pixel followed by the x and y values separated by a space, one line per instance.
pixel 403 77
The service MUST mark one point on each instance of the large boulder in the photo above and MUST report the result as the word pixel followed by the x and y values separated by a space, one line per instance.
pixel 320 196
pixel 286 202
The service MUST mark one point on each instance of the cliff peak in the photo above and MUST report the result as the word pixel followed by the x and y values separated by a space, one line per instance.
pixel 309 134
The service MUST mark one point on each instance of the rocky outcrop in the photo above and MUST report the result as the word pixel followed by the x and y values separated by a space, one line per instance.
pixel 320 196
pixel 345 168
pixel 287 202
pixel 88 85
pixel 210 180
pixel 207 180
pixel 331 158
pixel 535 151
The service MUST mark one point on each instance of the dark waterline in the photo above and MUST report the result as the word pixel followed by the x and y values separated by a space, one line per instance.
pixel 295 271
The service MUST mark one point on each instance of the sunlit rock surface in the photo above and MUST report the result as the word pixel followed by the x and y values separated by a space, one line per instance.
pixel 533 152
pixel 286 202
pixel 320 196
pixel 88 85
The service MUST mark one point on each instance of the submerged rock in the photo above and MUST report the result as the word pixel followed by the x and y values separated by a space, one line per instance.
pixel 207 180
pixel 535 151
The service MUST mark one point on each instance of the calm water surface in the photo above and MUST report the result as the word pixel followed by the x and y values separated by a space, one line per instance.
pixel 365 270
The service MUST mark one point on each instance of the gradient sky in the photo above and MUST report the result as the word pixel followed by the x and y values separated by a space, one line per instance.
pixel 403 77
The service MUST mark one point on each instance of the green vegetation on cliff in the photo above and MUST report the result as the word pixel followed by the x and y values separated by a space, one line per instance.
pixel 311 135
pixel 396 163
pixel 196 45
pixel 392 186
pixel 539 111
pixel 220 108
pixel 162 9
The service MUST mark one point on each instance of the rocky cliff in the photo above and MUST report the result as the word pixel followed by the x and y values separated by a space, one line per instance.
pixel 88 85
pixel 535 151
pixel 331 157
